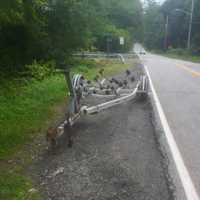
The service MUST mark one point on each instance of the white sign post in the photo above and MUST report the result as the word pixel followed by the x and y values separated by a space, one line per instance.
pixel 121 41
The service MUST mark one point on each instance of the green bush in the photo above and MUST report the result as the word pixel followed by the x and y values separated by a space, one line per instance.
pixel 113 33
pixel 39 70
pixel 178 51
pixel 25 109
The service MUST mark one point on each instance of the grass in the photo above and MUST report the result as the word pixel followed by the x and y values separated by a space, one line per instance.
pixel 23 113
pixel 182 56
pixel 191 58
pixel 90 70
pixel 25 109
pixel 15 187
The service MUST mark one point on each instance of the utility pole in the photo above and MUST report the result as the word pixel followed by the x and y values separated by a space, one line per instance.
pixel 190 25
pixel 166 32
pixel 108 43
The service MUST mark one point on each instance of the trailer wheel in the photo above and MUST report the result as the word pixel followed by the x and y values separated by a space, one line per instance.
pixel 68 131
pixel 68 134
pixel 143 87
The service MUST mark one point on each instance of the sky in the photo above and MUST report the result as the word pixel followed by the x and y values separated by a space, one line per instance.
pixel 160 1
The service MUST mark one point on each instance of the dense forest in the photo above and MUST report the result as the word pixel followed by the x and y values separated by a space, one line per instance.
pixel 175 14
pixel 43 30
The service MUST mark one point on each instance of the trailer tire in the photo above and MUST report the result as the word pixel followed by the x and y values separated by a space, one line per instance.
pixel 143 88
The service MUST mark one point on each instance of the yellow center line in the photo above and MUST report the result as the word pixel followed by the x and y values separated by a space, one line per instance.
pixel 193 72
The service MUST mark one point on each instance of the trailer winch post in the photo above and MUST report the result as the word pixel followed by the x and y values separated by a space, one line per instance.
pixel 72 93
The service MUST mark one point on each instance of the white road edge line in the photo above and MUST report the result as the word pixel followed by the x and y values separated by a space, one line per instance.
pixel 184 175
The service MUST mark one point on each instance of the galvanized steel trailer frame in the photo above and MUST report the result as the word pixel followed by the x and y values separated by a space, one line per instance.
pixel 79 88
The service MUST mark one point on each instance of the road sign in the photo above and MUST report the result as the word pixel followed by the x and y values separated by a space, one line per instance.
pixel 121 40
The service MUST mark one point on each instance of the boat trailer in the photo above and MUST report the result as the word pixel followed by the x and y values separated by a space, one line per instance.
pixel 112 90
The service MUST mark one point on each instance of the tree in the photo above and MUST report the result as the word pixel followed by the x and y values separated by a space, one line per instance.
pixel 179 21
pixel 121 18
pixel 22 33
pixel 67 28
pixel 154 25
pixel 53 29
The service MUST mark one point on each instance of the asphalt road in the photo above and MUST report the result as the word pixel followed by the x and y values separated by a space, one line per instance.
pixel 177 84
pixel 115 156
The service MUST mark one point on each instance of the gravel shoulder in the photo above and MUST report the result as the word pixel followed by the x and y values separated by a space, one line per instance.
pixel 115 156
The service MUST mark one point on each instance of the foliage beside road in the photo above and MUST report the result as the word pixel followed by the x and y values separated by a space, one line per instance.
pixel 15 186
pixel 180 54
pixel 24 109
pixel 176 36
